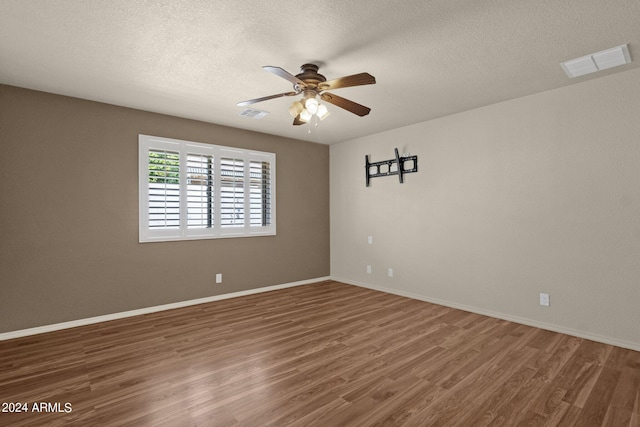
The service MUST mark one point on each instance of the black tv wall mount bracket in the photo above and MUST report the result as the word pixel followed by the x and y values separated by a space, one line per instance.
pixel 386 167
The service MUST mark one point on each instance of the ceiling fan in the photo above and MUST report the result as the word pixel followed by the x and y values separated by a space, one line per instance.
pixel 311 85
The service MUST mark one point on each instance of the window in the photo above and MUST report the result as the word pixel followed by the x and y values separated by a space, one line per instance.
pixel 189 190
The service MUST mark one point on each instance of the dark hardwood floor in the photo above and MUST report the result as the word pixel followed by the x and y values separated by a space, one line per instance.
pixel 325 354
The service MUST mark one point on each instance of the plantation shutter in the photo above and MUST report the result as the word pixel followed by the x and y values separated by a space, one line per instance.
pixel 231 192
pixel 200 191
pixel 260 193
pixel 163 174
pixel 189 190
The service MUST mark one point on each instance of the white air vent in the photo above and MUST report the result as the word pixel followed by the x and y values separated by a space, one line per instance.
pixel 253 113
pixel 597 61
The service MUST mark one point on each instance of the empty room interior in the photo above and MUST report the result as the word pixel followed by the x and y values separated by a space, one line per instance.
pixel 356 213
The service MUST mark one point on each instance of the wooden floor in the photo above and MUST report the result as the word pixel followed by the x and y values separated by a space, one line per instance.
pixel 325 354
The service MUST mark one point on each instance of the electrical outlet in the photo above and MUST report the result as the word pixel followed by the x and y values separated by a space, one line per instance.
pixel 370 240
pixel 368 269
pixel 390 272
pixel 544 300
pixel 219 278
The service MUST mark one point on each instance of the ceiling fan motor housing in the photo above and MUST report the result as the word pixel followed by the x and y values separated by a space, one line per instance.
pixel 309 75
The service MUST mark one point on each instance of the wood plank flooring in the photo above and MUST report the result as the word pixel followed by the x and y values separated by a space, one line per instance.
pixel 325 354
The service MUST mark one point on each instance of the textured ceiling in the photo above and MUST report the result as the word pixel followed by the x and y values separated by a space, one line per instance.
pixel 198 58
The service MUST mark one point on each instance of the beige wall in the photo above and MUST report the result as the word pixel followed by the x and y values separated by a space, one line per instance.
pixel 537 194
pixel 69 216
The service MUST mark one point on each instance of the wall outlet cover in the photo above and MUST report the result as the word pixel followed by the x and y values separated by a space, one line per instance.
pixel 544 300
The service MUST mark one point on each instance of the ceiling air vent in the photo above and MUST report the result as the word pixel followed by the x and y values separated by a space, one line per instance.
pixel 253 113
pixel 597 61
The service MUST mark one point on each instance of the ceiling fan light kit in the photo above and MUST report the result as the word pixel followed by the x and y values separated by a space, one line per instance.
pixel 305 116
pixel 322 112
pixel 296 108
pixel 311 104
pixel 313 85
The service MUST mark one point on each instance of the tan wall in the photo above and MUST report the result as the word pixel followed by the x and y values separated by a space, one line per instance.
pixel 537 194
pixel 69 218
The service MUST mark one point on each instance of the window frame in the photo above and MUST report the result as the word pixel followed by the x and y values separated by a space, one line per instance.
pixel 147 143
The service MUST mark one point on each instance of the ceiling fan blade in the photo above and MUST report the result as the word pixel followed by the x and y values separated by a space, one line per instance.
pixel 348 81
pixel 265 98
pixel 297 121
pixel 351 106
pixel 285 75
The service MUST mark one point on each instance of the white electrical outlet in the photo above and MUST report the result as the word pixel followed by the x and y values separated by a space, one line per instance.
pixel 370 240
pixel 369 269
pixel 219 278
pixel 544 300
pixel 390 272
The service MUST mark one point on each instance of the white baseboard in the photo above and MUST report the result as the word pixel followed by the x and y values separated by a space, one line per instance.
pixel 147 310
pixel 521 320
